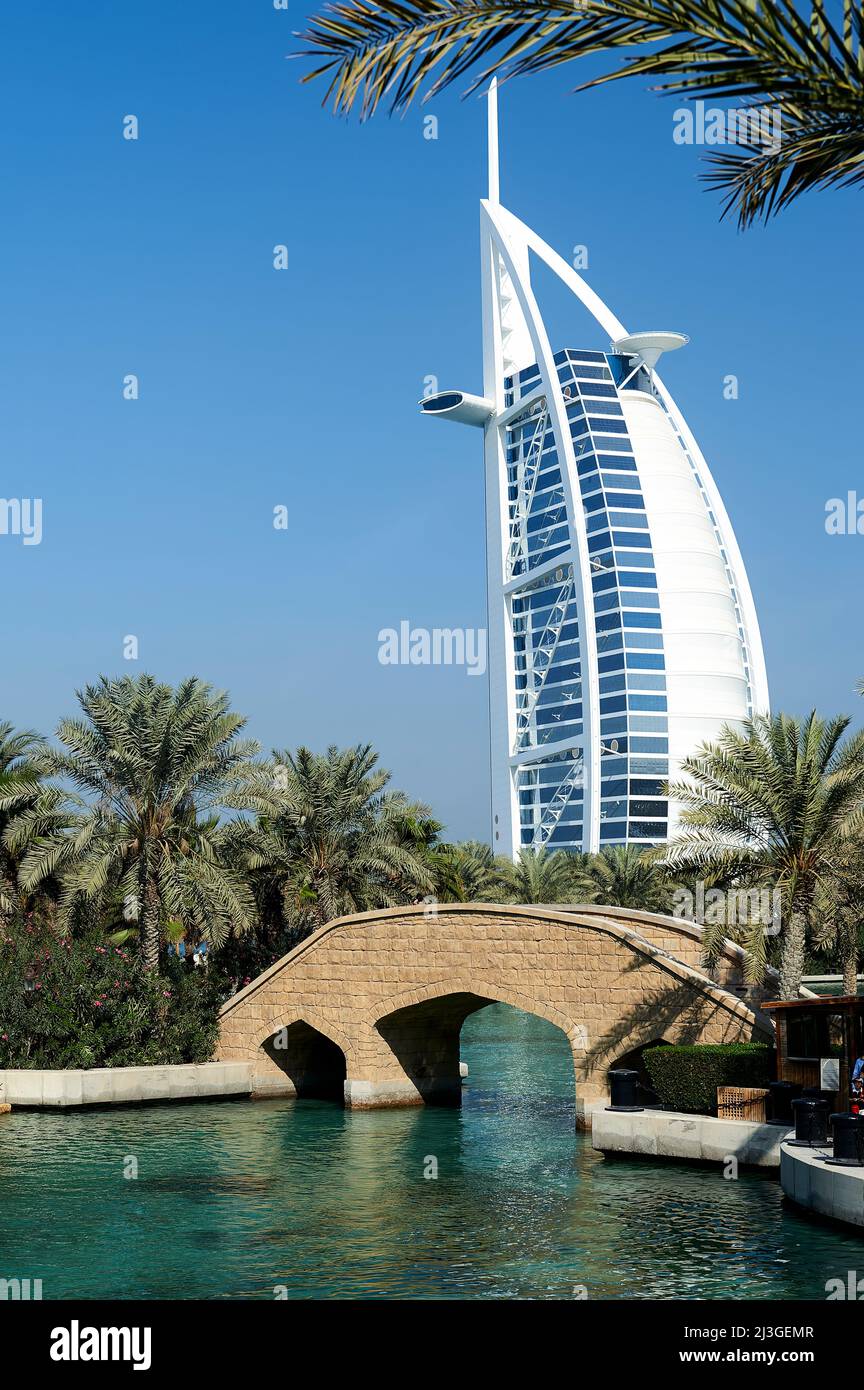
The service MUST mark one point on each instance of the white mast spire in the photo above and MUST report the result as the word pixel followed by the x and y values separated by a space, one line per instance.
pixel 492 117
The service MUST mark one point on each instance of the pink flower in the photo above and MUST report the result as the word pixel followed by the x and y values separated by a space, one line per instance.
pixel 97 1003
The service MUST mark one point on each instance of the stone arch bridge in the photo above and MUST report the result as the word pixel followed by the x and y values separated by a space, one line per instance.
pixel 370 1006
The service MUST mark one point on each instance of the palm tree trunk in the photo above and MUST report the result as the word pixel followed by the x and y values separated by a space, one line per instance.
pixel 850 973
pixel 850 960
pixel 792 957
pixel 150 922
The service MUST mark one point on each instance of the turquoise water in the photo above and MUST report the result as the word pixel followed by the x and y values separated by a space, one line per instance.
pixel 260 1199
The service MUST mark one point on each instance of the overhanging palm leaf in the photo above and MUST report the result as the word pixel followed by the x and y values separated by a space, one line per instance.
pixel 803 63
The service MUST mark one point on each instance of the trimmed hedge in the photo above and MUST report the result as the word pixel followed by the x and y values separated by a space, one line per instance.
pixel 686 1078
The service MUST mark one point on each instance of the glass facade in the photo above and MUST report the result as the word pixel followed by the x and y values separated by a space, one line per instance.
pixel 548 751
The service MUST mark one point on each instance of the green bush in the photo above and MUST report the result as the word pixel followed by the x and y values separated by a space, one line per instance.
pixel 686 1078
pixel 79 1001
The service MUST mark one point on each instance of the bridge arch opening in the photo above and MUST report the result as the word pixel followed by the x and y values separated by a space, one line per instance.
pixel 424 1039
pixel 312 1063
pixel 427 1040
pixel 521 1064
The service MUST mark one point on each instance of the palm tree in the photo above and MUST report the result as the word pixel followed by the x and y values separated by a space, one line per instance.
pixel 621 876
pixel 467 872
pixel 809 68
pixel 154 768
pixel 771 803
pixel 838 912
pixel 19 786
pixel 539 876
pixel 337 842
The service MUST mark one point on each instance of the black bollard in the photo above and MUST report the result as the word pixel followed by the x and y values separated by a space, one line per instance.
pixel 811 1122
pixel 780 1097
pixel 848 1141
pixel 624 1090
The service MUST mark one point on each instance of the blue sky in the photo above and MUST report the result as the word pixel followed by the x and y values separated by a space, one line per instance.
pixel 261 388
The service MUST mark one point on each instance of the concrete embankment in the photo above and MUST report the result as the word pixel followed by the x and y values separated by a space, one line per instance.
pixel 123 1085
pixel 810 1182
pixel 665 1134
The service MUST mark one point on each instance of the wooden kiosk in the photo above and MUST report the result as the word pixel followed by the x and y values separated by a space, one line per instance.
pixel 819 1041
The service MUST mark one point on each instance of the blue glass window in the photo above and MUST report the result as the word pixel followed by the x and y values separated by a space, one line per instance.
pixel 596 389
pixel 607 621
pixel 613 830
pixel 649 745
pixel 617 445
pixel 632 557
pixel 616 661
pixel 602 602
pixel 627 499
pixel 632 538
pixel 615 724
pixel 606 426
pixel 646 786
pixel 629 580
pixel 648 724
pixel 613 703
pixel 622 463
pixel 642 620
pixel 646 661
pixel 616 480
pixel 601 541
pixel 585 355
pixel 614 786
pixel 658 766
pixel 603 581
pixel 647 702
pixel 641 680
pixel 649 808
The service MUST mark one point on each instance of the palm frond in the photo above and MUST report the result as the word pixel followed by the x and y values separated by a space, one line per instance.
pixel 806 67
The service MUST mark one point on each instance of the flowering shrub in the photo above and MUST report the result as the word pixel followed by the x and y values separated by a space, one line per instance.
pixel 69 1001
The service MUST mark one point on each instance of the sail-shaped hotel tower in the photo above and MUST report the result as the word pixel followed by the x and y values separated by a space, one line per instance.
pixel 622 629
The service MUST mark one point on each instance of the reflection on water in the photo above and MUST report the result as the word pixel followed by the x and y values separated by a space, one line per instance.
pixel 235 1199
